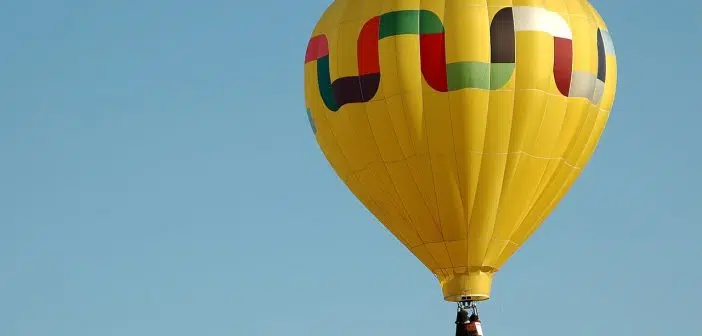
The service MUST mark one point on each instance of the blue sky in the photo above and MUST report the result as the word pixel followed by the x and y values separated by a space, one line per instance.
pixel 158 177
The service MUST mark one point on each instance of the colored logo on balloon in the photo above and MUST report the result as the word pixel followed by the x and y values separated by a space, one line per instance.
pixel 443 76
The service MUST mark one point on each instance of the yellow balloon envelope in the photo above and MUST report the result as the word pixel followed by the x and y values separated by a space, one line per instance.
pixel 460 124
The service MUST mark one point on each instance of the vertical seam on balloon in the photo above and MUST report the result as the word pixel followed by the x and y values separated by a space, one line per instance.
pixel 396 196
pixel 599 113
pixel 336 139
pixel 342 11
pixel 594 106
pixel 594 78
pixel 356 134
pixel 483 152
pixel 425 138
pixel 437 224
pixel 416 184
pixel 344 155
pixel 409 217
pixel 443 19
pixel 512 127
pixel 534 194
pixel 541 184
pixel 529 212
pixel 409 168
pixel 331 129
pixel 583 135
pixel 529 204
pixel 514 98
pixel 538 195
pixel 557 197
pixel 577 135
pixel 560 193
pixel 589 137
pixel 392 181
pixel 487 127
pixel 388 112
pixel 468 212
pixel 402 106
pixel 489 94
pixel 455 156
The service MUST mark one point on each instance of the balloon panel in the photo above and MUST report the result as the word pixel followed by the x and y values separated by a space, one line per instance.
pixel 460 124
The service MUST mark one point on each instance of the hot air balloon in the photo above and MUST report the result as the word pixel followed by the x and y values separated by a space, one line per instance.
pixel 460 124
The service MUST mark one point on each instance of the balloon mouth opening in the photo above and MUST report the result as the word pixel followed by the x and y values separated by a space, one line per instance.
pixel 470 286
pixel 464 298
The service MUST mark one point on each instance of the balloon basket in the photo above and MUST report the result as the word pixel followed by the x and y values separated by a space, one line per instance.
pixel 468 320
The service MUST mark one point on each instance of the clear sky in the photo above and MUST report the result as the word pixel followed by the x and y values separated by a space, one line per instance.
pixel 158 176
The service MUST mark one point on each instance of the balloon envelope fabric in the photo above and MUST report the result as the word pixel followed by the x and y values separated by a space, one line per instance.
pixel 460 124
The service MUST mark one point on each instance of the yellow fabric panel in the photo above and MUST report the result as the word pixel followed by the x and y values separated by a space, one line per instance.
pixel 384 212
pixel 398 5
pixel 499 3
pixel 610 85
pixel 462 178
pixel 420 167
pixel 592 12
pixel 535 50
pixel 580 9
pixel 416 206
pixel 331 18
pixel 469 130
pixel 583 135
pixel 459 252
pixel 346 59
pixel 374 184
pixel 352 12
pixel 601 118
pixel 531 3
pixel 325 138
pixel 440 253
pixel 558 6
pixel 351 140
pixel 584 43
pixel 438 134
pixel 398 129
pixel 471 24
pixel 382 127
pixel 422 253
